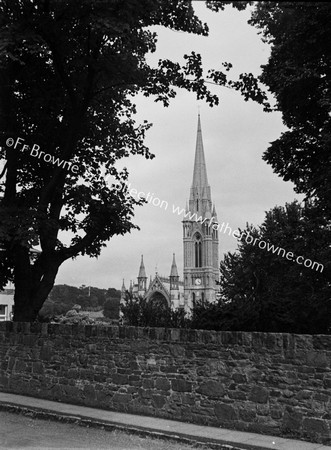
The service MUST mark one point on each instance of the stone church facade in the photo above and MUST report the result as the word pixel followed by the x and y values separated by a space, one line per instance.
pixel 201 256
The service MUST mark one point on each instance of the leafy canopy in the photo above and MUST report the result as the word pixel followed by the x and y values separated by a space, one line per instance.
pixel 139 311
pixel 298 73
pixel 262 290
pixel 69 73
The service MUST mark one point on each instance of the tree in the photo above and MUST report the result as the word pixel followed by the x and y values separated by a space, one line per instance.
pixel 237 315
pixel 69 71
pixel 63 297
pixel 111 308
pixel 298 73
pixel 278 292
pixel 138 311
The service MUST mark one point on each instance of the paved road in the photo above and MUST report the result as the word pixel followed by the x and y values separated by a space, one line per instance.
pixel 22 432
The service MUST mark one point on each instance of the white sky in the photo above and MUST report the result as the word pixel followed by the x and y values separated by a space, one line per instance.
pixel 235 135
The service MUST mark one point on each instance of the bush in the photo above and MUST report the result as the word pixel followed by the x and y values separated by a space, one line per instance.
pixel 111 308
pixel 143 313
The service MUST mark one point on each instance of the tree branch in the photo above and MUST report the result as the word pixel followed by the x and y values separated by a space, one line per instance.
pixel 60 69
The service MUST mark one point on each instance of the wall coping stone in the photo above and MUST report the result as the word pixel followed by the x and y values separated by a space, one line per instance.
pixel 260 341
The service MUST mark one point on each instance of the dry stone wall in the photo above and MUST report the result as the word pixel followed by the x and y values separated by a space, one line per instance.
pixel 261 382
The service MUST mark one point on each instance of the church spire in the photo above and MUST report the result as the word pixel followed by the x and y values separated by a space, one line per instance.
pixel 200 195
pixel 142 279
pixel 200 179
pixel 201 264
pixel 174 271
pixel 174 278
pixel 142 272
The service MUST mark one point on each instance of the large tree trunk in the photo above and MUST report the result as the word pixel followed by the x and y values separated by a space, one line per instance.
pixel 32 285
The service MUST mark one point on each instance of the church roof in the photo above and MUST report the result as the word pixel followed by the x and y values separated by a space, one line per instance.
pixel 200 179
pixel 158 285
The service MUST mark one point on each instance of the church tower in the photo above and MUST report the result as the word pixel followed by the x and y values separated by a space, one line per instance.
pixel 201 259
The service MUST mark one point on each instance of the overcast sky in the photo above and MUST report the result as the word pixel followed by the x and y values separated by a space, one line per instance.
pixel 235 135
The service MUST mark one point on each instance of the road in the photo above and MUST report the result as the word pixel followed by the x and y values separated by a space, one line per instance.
pixel 23 432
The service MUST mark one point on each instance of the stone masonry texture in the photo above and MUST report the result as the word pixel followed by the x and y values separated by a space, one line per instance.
pixel 269 383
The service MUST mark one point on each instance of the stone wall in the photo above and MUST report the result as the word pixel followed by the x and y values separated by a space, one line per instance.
pixel 267 383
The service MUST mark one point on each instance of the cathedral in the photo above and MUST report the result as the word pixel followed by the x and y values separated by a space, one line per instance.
pixel 201 257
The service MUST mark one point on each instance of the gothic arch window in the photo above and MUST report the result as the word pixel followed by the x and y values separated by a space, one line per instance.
pixel 160 302
pixel 197 205
pixel 198 250
pixel 193 298
pixel 207 229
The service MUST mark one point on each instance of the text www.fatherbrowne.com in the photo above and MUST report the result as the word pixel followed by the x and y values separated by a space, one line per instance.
pixel 224 228
pixel 244 235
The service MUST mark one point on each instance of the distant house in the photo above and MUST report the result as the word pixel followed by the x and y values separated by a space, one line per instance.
pixel 7 295
pixel 6 304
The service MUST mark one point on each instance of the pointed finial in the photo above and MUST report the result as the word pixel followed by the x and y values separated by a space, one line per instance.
pixel 199 124
pixel 173 271
pixel 142 272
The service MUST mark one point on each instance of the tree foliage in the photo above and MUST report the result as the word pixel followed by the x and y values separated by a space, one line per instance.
pixel 263 290
pixel 238 315
pixel 111 308
pixel 144 313
pixel 68 74
pixel 63 297
pixel 298 73
pixel 283 294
